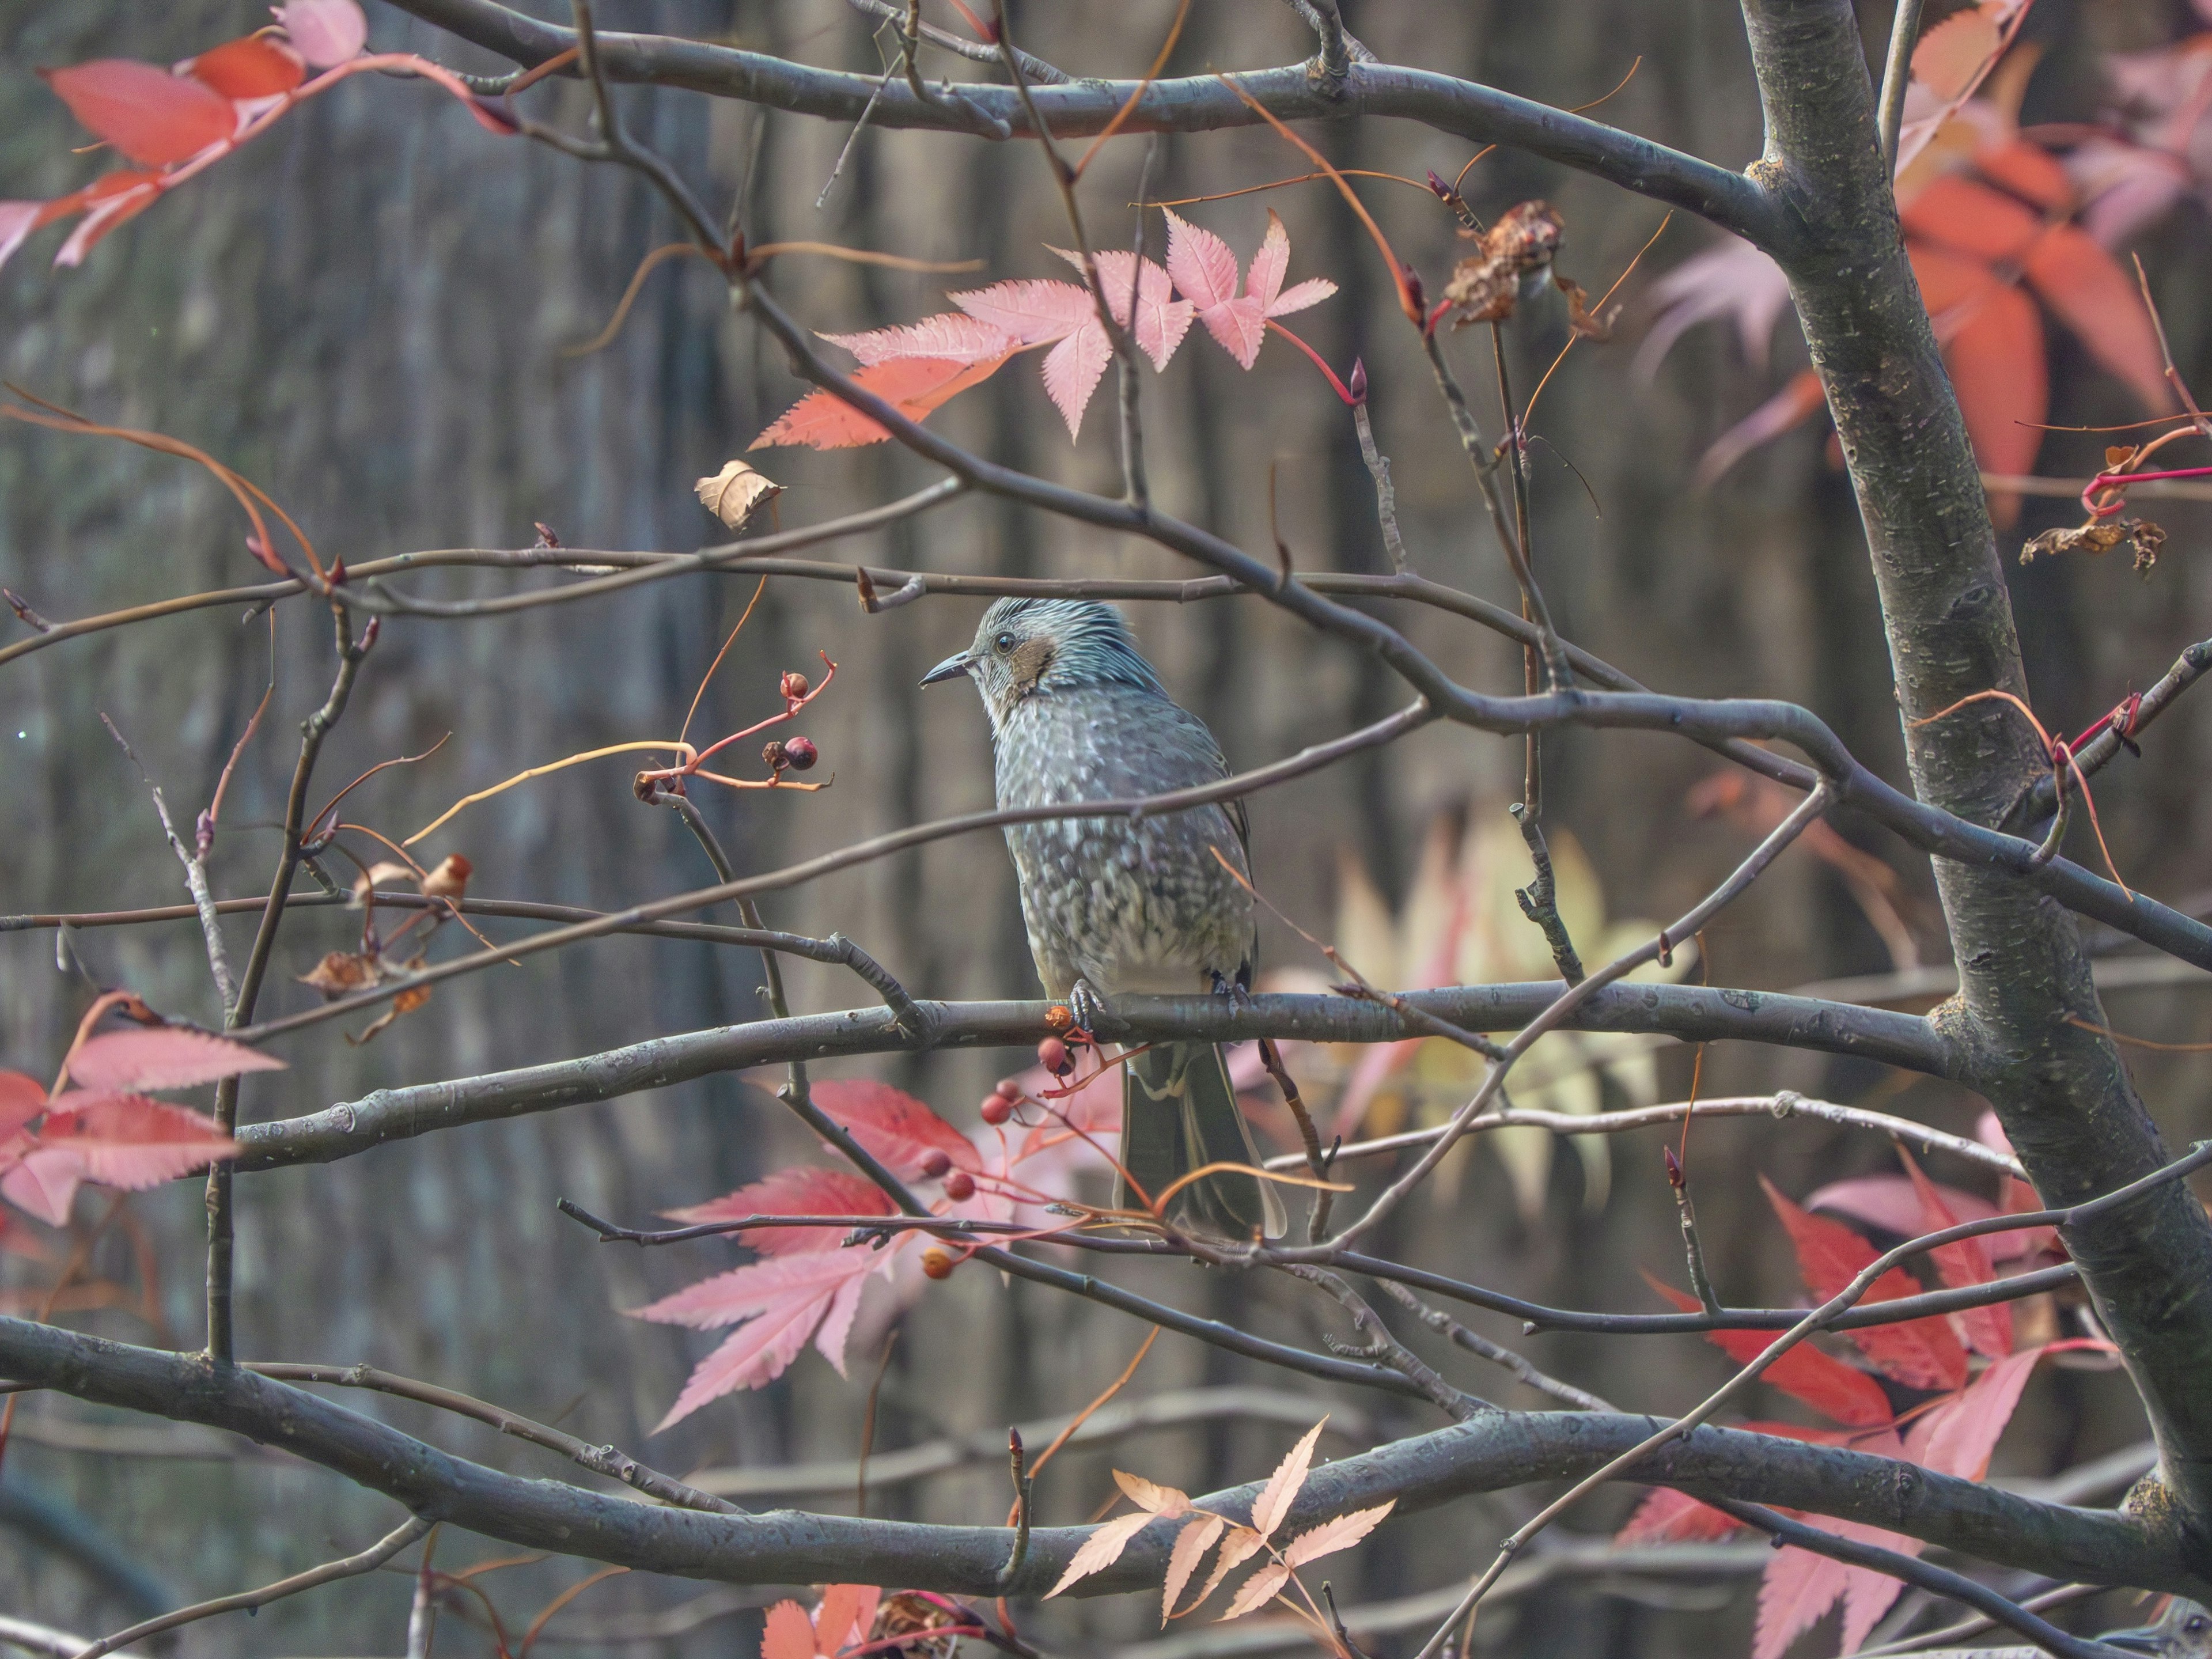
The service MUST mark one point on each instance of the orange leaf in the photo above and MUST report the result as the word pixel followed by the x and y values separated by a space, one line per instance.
pixel 1997 369
pixel 148 114
pixel 1257 1591
pixel 913 385
pixel 2027 170
pixel 252 66
pixel 1969 217
pixel 846 1617
pixel 2085 287
pixel 1275 1498
pixel 1191 1545
pixel 1152 1498
pixel 1950 55
pixel 789 1634
pixel 1102 1549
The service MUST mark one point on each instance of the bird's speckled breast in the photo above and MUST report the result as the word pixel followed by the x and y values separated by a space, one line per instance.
pixel 1138 906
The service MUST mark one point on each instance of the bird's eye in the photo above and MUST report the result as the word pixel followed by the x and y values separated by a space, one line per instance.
pixel 1003 642
pixel 2199 1624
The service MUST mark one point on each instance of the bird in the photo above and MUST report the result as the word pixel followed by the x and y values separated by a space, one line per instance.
pixel 1122 906
pixel 2183 1630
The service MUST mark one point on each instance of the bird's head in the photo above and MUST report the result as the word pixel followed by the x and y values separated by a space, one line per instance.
pixel 2183 1632
pixel 1026 648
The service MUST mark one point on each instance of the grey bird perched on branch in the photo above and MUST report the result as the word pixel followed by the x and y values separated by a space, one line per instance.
pixel 2183 1632
pixel 1121 906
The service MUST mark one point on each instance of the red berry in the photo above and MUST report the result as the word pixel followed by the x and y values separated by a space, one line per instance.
pixel 937 1261
pixel 1010 1089
pixel 794 685
pixel 935 1163
pixel 997 1108
pixel 960 1186
pixel 801 753
pixel 1052 1055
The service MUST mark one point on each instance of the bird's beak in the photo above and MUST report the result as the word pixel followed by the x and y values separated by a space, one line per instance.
pixel 950 669
pixel 2147 1639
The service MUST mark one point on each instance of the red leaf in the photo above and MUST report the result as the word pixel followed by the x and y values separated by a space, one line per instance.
pixel 117 1139
pixel 1957 1436
pixel 1792 406
pixel 162 1057
pixel 1805 1373
pixel 2085 287
pixel 1920 1352
pixel 109 202
pixel 1951 54
pixel 948 335
pixel 22 1099
pixel 778 1304
pixel 1796 1589
pixel 847 1615
pixel 1891 1203
pixel 804 1190
pixel 1206 270
pixel 1667 1516
pixel 325 32
pixel 894 1127
pixel 1971 218
pixel 252 66
pixel 1987 1331
pixel 913 385
pixel 2029 171
pixel 148 114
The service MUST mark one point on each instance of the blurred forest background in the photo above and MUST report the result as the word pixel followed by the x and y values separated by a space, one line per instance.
pixel 368 313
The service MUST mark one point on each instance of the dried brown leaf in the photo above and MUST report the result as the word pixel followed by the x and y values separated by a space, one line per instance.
pixel 1331 1536
pixel 382 873
pixel 733 494
pixel 1152 1498
pixel 1486 286
pixel 342 971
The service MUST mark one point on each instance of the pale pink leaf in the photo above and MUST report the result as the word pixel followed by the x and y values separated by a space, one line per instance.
pixel 1199 263
pixel 804 1189
pixel 789 1634
pixel 44 1184
pixel 1890 1202
pixel 22 1099
pixel 1035 312
pixel 1795 1589
pixel 108 211
pixel 1072 372
pixel 754 1355
pixel 17 221
pixel 1102 1549
pixel 129 1140
pixel 1162 319
pixel 1301 295
pixel 1152 1498
pixel 1331 1536
pixel 162 1057
pixel 1257 1591
pixel 1275 1498
pixel 893 1126
pixel 325 33
pixel 948 334
pixel 1264 280
pixel 847 1615
pixel 1239 1547
pixel 1957 1436
pixel 837 1323
pixel 809 1276
pixel 1191 1545
pixel 1667 1516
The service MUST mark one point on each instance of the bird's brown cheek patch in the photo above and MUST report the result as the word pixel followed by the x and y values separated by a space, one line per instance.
pixel 1030 659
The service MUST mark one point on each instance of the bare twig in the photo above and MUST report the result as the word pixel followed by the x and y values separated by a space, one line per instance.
pixel 1380 1345
pixel 1475 1343
pixel 196 879
pixel 1540 900
pixel 979 51
pixel 350 1566
pixel 1701 1282
pixel 1896 75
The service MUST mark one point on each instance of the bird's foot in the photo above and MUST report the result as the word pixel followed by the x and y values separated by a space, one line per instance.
pixel 1234 990
pixel 1088 1007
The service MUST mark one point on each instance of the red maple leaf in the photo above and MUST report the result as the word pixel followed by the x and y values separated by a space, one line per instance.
pixel 124 1141
pixel 1826 1384
pixel 1923 1353
pixel 894 1127
pixel 1205 270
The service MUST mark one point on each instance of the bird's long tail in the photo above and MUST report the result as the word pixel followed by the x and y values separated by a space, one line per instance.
pixel 1179 1114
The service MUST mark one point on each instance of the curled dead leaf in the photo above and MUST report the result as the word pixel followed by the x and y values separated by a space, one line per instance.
pixel 1585 323
pixel 341 972
pixel 382 873
pixel 2100 536
pixel 735 492
pixel 1485 285
pixel 405 1003
pixel 450 880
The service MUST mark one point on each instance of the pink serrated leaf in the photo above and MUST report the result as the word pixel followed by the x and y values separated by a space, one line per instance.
pixel 151 116
pixel 44 1185
pixel 948 334
pixel 162 1057
pixel 1102 1549
pixel 893 1126
pixel 1796 1589
pixel 1987 1331
pixel 1033 312
pixel 1257 1591
pixel 129 1140
pixel 804 1189
pixel 1152 1498
pixel 1921 1352
pixel 1275 1498
pixel 1199 263
pixel 837 1323
pixel 1957 1436
pixel 1072 372
pixel 753 1356
pixel 1264 280
pixel 1302 295
pixel 1162 319
pixel 325 33
pixel 1331 1536
pixel 1191 1545
pixel 789 1633
pixel 760 1287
